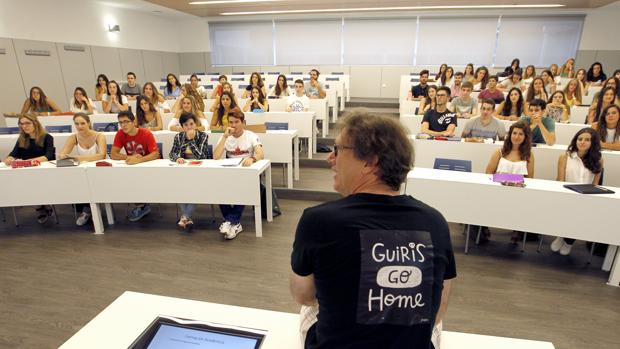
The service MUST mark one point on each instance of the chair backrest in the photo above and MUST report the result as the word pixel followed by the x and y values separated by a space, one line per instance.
pixel 105 126
pixel 337 73
pixel 9 130
pixel 452 165
pixel 214 73
pixel 238 73
pixel 332 79
pixel 210 151
pixel 273 73
pixel 160 146
pixel 58 129
pixel 237 79
pixel 296 73
pixel 276 125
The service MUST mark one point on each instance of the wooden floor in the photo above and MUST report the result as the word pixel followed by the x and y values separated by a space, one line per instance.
pixel 55 278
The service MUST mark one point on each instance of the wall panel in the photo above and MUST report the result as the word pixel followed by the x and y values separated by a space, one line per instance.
pixel 77 70
pixel 11 99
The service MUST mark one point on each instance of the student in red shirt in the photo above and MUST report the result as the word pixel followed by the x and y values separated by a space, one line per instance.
pixel 140 146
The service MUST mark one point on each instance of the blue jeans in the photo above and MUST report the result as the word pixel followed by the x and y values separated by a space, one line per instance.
pixel 232 213
pixel 187 210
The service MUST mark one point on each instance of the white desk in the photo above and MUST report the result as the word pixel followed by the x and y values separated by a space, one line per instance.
pixel 131 313
pixel 564 133
pixel 545 157
pixel 303 122
pixel 215 185
pixel 566 213
pixel 318 106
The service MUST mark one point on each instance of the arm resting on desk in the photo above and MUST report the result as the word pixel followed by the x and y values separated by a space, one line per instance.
pixel 302 289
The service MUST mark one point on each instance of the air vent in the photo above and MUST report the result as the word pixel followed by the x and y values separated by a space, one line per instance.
pixel 75 48
pixel 37 53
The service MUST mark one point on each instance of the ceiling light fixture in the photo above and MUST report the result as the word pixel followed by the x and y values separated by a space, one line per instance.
pixel 216 2
pixel 405 8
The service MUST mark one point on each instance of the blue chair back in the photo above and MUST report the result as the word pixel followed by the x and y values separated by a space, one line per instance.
pixel 105 126
pixel 109 149
pixel 452 165
pixel 306 79
pixel 208 87
pixel 337 73
pixel 272 97
pixel 296 73
pixel 237 73
pixel 273 73
pixel 243 87
pixel 58 129
pixel 332 79
pixel 199 74
pixel 236 79
pixel 9 130
pixel 276 125
pixel 214 73
pixel 214 79
pixel 160 147
pixel 289 78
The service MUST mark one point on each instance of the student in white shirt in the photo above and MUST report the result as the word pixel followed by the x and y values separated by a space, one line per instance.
pixel 298 101
pixel 81 103
pixel 193 79
pixel 583 164
pixel 114 102
pixel 236 142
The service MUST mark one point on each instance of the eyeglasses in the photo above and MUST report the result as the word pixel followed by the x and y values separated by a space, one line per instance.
pixel 337 147
pixel 441 95
pixel 125 122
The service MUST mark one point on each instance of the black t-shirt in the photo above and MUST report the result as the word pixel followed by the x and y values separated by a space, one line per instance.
pixel 34 150
pixel 419 90
pixel 437 121
pixel 378 263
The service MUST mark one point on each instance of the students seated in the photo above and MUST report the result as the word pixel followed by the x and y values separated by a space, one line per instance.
pixel 557 107
pixel 442 70
pixel 314 89
pixel 193 80
pixel 140 146
pixel 257 101
pixel 173 87
pixel 191 144
pixel 89 145
pixel 39 104
pixel 455 88
pixel 582 77
pixel 611 82
pixel 595 75
pixel 536 90
pixel 428 102
pixel 280 90
pixel 255 81
pixel 226 87
pixel 131 89
pixel 440 122
pixel 468 74
pixel 568 69
pixel 217 91
pixel 514 157
pixel 541 125
pixel 484 126
pixel 553 68
pixel 114 101
pixel 447 78
pixel 548 79
pixel 573 94
pixel 606 97
pixel 514 80
pixel 420 90
pixel 236 142
pixel 101 87
pixel 513 67
pixel 148 115
pixel 583 164
pixel 219 120
pixel 33 143
pixel 530 73
pixel 188 105
pixel 512 107
pixel 150 91
pixel 298 101
pixel 481 78
pixel 608 128
pixel 80 102
pixel 464 106
pixel 617 74
pixel 189 90
pixel 491 92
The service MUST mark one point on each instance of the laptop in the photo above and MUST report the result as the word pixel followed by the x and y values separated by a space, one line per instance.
pixel 588 189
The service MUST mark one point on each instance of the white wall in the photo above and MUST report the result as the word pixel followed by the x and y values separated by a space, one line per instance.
pixel 85 22
pixel 600 28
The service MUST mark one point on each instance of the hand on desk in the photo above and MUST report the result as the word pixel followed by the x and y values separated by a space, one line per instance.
pixel 247 162
pixel 133 159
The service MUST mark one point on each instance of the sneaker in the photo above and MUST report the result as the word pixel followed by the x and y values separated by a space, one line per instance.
pixel 43 214
pixel 225 227
pixel 182 222
pixel 139 212
pixel 234 231
pixel 557 244
pixel 82 219
pixel 565 250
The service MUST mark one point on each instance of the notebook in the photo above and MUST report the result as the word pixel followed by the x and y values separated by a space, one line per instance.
pixel 588 189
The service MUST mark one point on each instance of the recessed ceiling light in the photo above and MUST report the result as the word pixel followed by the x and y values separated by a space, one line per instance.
pixel 214 2
pixel 404 8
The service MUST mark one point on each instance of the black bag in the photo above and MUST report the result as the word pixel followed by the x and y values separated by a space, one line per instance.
pixel 263 202
pixel 322 148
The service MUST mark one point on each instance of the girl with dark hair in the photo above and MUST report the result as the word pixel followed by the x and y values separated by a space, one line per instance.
pixel 606 97
pixel 582 163
pixel 255 81
pixel 447 77
pixel 428 102
pixel 608 128
pixel 81 103
pixel 39 104
pixel 581 76
pixel 193 80
pixel 514 65
pixel 481 78
pixel 281 89
pixel 512 107
pixel 514 80
pixel 114 101
pixel 535 91
pixel 220 116
pixel 442 70
pixel 101 87
pixel 611 82
pixel 548 79
pixel 595 74
pixel 557 107
pixel 530 72
pixel 147 115
pixel 573 93
pixel 173 87
pixel 257 101
pixel 468 74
